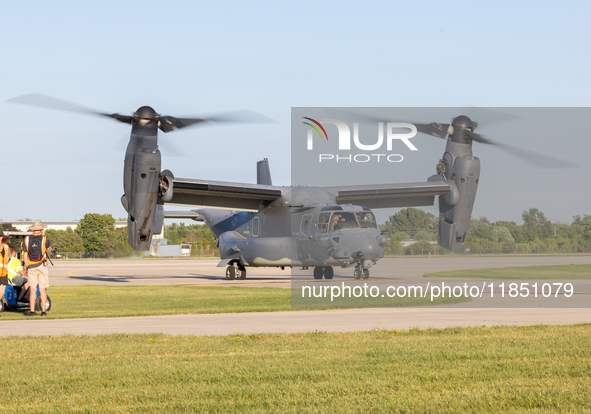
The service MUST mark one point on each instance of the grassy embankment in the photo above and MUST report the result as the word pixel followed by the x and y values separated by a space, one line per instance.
pixel 499 369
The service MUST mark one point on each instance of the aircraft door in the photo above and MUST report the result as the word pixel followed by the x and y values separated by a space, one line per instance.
pixel 304 242
pixel 255 226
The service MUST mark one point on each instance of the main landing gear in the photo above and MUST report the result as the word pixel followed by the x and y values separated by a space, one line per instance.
pixel 235 271
pixel 323 271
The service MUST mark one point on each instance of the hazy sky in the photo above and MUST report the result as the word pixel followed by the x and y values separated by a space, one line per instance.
pixel 199 58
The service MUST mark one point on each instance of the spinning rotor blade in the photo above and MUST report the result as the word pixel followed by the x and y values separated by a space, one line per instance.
pixel 166 123
pixel 171 123
pixel 44 101
pixel 433 129
pixel 478 138
pixel 442 130
pixel 534 158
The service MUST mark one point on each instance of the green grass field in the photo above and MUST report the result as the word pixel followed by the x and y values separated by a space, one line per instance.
pixel 116 301
pixel 573 271
pixel 499 369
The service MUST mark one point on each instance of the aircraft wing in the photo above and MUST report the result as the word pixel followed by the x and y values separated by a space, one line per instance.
pixel 221 194
pixel 391 195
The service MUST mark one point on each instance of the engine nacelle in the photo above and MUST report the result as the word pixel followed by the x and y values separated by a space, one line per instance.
pixel 165 189
pixel 143 197
pixel 462 171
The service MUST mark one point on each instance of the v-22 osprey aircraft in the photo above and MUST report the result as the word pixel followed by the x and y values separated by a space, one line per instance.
pixel 262 225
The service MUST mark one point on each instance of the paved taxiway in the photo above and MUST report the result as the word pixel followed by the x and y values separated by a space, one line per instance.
pixel 202 272
pixel 206 272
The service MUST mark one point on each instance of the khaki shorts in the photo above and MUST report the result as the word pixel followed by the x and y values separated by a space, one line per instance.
pixel 38 276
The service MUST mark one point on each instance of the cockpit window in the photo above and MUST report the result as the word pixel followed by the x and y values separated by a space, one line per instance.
pixel 341 221
pixel 367 220
pixel 323 220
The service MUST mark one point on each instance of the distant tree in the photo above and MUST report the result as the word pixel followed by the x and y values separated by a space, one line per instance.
pixel 425 235
pixel 65 241
pixel 121 246
pixel 53 235
pixel 97 232
pixel 587 230
pixel 481 229
pixel 7 227
pixel 515 230
pixel 501 234
pixel 536 225
pixel 181 233
pixel 421 247
pixel 434 226
pixel 411 221
pixel 401 235
pixel 10 227
pixel 69 242
pixel 580 221
pixel 567 232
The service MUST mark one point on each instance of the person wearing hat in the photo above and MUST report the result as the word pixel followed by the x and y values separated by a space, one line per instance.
pixel 35 249
pixel 4 260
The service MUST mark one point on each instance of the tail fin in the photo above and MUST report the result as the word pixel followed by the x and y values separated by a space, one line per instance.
pixel 263 172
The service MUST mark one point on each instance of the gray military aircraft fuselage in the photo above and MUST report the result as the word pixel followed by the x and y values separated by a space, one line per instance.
pixel 322 235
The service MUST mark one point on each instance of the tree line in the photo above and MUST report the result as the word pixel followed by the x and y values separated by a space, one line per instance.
pixel 487 237
pixel 96 233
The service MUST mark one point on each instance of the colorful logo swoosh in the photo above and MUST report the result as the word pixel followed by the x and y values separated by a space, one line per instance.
pixel 316 129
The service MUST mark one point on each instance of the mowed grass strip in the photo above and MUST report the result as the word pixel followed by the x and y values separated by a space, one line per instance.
pixel 499 369
pixel 558 272
pixel 117 301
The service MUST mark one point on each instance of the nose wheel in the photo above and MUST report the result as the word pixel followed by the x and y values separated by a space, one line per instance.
pixel 360 273
pixel 323 271
pixel 235 272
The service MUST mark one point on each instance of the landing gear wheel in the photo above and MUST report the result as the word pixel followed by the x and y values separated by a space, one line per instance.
pixel 365 273
pixel 47 304
pixel 357 273
pixel 2 304
pixel 318 272
pixel 241 273
pixel 230 272
pixel 328 272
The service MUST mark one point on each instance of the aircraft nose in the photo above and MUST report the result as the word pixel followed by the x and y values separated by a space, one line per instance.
pixel 370 250
pixel 357 246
